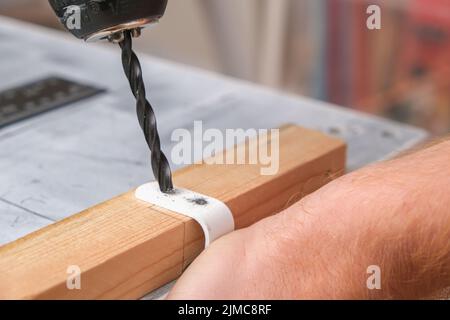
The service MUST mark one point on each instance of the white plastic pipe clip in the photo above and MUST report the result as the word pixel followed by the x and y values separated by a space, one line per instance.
pixel 213 215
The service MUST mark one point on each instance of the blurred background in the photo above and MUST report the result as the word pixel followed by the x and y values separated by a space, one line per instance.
pixel 317 48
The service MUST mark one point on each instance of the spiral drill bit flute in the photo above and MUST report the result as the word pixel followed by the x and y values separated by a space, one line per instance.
pixel 119 21
pixel 146 115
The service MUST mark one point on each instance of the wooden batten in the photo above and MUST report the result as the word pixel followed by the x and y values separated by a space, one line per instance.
pixel 126 248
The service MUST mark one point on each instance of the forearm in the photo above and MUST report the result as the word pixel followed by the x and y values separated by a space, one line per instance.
pixel 394 215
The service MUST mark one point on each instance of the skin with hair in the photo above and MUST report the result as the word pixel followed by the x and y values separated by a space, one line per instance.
pixel 393 214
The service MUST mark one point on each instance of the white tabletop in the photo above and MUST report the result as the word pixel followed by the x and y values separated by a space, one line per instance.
pixel 64 161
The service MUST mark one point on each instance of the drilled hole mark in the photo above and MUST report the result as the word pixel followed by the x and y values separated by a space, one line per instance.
pixel 198 201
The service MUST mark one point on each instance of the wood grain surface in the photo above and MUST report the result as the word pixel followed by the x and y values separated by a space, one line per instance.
pixel 125 247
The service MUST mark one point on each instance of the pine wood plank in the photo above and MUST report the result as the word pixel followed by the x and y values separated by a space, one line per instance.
pixel 126 248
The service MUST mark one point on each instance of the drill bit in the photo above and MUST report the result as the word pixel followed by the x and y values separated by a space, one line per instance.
pixel 145 113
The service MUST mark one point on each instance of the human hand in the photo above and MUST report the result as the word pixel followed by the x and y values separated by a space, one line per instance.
pixel 393 214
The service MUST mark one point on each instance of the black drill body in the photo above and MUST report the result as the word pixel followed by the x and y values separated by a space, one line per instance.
pixel 99 15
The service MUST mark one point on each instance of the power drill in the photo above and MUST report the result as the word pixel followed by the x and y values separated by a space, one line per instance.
pixel 100 19
pixel 119 21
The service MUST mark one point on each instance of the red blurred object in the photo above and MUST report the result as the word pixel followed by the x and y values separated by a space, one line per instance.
pixel 428 45
pixel 432 12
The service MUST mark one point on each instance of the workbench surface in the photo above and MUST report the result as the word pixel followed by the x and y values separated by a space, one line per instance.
pixel 64 161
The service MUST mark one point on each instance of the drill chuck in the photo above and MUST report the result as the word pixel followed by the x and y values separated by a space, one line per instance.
pixel 98 19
